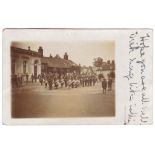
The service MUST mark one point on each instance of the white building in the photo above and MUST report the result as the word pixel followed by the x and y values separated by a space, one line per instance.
pixel 26 61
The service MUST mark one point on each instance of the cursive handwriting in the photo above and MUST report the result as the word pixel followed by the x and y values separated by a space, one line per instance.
pixel 137 43
pixel 131 65
pixel 136 76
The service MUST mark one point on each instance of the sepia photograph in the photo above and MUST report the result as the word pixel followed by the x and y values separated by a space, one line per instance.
pixel 62 79
pixel 77 76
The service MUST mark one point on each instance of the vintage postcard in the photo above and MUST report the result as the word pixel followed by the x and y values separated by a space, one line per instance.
pixel 77 76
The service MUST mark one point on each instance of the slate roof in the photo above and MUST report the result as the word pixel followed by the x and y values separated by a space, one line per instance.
pixel 55 62
pixel 58 62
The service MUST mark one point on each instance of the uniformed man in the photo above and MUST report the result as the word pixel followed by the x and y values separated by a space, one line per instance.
pixel 110 84
pixel 32 77
pixel 27 78
pixel 65 80
pixel 50 82
pixel 41 80
pixel 104 85
pixel 45 81
pixel 81 81
pixel 56 83
pixel 90 80
pixel 94 80
pixel 62 82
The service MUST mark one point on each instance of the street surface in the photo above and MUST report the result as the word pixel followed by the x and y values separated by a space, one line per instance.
pixel 35 101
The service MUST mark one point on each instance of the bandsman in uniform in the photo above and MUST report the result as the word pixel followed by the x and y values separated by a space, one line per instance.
pixel 104 85
pixel 110 84
pixel 50 82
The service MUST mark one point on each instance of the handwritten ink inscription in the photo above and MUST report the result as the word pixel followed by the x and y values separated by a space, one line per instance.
pixel 136 77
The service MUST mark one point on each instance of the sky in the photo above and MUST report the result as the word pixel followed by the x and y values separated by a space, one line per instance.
pixel 82 52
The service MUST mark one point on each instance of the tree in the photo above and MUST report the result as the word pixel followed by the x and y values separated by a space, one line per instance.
pixel 98 62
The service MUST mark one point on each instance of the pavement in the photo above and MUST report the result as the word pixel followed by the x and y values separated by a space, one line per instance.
pixel 36 101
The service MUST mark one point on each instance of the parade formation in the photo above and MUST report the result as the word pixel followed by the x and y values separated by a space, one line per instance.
pixel 69 80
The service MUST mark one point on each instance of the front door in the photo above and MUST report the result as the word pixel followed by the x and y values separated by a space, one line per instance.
pixel 35 71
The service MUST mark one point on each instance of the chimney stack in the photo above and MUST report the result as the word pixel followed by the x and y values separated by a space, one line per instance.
pixel 40 50
pixel 66 56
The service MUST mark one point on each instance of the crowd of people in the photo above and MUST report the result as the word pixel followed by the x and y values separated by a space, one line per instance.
pixel 68 80
pixel 19 80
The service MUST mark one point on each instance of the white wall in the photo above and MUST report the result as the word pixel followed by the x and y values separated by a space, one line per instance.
pixel 29 65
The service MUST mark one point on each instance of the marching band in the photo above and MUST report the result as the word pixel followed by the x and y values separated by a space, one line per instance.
pixel 69 80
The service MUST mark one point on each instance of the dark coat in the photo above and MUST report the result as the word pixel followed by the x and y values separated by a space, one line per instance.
pixel 104 84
